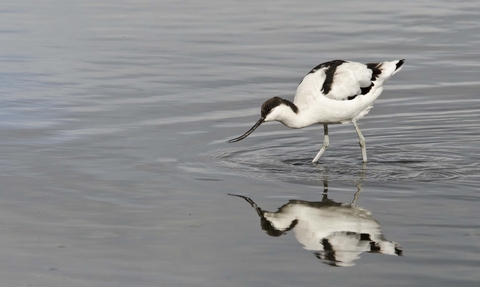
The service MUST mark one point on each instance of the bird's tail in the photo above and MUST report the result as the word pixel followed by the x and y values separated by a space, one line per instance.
pixel 385 70
pixel 398 65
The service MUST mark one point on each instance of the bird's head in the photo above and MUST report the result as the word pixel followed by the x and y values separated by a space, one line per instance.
pixel 273 109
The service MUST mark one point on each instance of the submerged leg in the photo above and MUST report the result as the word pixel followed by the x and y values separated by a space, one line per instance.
pixel 362 142
pixel 325 145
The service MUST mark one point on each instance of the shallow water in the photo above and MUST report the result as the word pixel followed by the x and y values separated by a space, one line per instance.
pixel 115 167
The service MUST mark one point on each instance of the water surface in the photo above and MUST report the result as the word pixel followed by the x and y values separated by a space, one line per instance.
pixel 115 167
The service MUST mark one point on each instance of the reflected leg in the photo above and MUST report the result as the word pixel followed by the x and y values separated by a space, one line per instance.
pixel 325 186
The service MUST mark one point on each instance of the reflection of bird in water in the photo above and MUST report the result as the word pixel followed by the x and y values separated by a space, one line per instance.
pixel 336 232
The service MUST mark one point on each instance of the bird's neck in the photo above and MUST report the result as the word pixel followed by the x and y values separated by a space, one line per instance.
pixel 292 116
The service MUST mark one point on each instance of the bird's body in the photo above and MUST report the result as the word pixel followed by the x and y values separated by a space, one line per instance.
pixel 336 232
pixel 334 92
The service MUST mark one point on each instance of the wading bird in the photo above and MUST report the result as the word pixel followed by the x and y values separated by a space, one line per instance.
pixel 334 92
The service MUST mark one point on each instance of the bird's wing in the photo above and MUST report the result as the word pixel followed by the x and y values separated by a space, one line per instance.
pixel 337 80
pixel 346 81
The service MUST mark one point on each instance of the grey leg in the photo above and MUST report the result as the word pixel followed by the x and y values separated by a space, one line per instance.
pixel 355 196
pixel 362 142
pixel 326 144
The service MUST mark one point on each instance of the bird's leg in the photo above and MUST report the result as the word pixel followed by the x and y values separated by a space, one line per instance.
pixel 325 145
pixel 362 142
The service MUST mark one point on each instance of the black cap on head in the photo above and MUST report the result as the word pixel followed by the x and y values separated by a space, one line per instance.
pixel 268 106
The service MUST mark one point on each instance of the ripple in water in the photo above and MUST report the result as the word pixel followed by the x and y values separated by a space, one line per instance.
pixel 396 162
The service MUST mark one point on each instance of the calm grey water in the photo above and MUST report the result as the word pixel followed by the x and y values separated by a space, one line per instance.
pixel 115 170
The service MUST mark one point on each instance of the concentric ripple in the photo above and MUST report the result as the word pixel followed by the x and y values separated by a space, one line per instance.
pixel 396 162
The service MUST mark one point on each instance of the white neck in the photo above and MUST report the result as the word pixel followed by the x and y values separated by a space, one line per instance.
pixel 288 117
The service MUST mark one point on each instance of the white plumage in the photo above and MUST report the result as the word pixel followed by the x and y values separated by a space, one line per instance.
pixel 334 92
pixel 336 232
